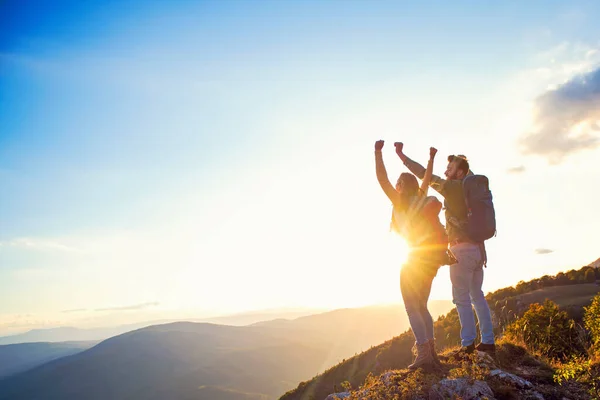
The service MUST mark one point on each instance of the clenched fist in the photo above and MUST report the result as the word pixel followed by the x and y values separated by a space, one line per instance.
pixel 378 145
pixel 399 147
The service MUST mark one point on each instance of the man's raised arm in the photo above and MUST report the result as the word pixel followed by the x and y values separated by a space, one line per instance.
pixel 436 183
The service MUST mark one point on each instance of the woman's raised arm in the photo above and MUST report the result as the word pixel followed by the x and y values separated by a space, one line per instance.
pixel 428 171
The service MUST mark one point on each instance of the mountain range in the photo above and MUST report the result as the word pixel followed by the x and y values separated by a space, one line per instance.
pixel 259 361
pixel 72 334
pixel 208 361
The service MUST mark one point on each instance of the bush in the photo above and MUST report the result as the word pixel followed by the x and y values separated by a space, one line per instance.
pixel 591 320
pixel 581 370
pixel 545 329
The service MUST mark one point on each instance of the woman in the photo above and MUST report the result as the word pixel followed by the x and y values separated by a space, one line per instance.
pixel 415 217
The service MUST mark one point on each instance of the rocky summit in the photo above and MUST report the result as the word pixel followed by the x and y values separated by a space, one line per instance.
pixel 512 374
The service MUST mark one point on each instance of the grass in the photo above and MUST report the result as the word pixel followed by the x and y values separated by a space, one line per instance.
pixel 565 296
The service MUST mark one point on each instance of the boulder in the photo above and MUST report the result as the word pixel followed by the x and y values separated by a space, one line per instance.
pixel 511 379
pixel 460 388
pixel 336 396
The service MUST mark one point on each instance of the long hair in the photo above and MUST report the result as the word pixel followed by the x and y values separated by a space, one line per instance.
pixel 410 188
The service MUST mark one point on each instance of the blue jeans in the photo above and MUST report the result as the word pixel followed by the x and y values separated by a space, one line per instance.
pixel 415 286
pixel 467 278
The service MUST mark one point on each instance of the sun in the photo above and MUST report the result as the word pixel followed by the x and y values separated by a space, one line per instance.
pixel 402 249
pixel 397 248
pixel 382 285
pixel 379 283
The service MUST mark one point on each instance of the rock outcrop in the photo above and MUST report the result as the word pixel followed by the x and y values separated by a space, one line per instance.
pixel 478 377
pixel 462 388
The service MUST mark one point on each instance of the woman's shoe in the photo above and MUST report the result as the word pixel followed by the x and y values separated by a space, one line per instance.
pixel 434 355
pixel 424 358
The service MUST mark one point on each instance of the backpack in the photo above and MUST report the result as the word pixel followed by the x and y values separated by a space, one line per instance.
pixel 481 216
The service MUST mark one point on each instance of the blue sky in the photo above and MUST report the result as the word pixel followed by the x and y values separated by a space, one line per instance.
pixel 217 156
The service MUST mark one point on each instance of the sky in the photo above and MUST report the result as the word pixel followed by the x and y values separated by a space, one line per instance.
pixel 185 159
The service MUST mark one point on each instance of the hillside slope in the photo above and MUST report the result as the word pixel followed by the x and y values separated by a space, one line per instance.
pixel 395 354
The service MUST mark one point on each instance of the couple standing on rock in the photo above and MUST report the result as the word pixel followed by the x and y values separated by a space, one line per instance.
pixel 470 220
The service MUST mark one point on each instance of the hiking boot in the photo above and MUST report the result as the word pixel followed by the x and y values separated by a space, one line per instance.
pixel 434 355
pixel 464 352
pixel 487 348
pixel 424 358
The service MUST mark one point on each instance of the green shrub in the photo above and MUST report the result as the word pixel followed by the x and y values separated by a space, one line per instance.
pixel 545 329
pixel 581 370
pixel 591 320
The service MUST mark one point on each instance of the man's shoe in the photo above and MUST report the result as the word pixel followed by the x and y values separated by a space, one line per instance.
pixel 424 358
pixel 487 348
pixel 464 352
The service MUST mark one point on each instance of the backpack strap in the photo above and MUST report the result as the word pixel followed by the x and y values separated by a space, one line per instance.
pixel 483 254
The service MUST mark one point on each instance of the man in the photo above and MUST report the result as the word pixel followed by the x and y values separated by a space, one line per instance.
pixel 467 274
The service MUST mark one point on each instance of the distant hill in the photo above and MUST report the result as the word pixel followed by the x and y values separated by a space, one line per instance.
pixel 71 334
pixel 351 330
pixel 207 361
pixel 252 317
pixel 595 264
pixel 572 296
pixel 174 361
pixel 15 358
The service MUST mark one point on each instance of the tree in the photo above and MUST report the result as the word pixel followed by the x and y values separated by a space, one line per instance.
pixel 562 279
pixel 590 276
pixel 546 281
pixel 573 276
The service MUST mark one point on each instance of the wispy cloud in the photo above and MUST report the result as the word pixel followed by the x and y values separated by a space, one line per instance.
pixel 516 170
pixel 131 307
pixel 37 244
pixel 543 251
pixel 567 119
pixel 75 310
